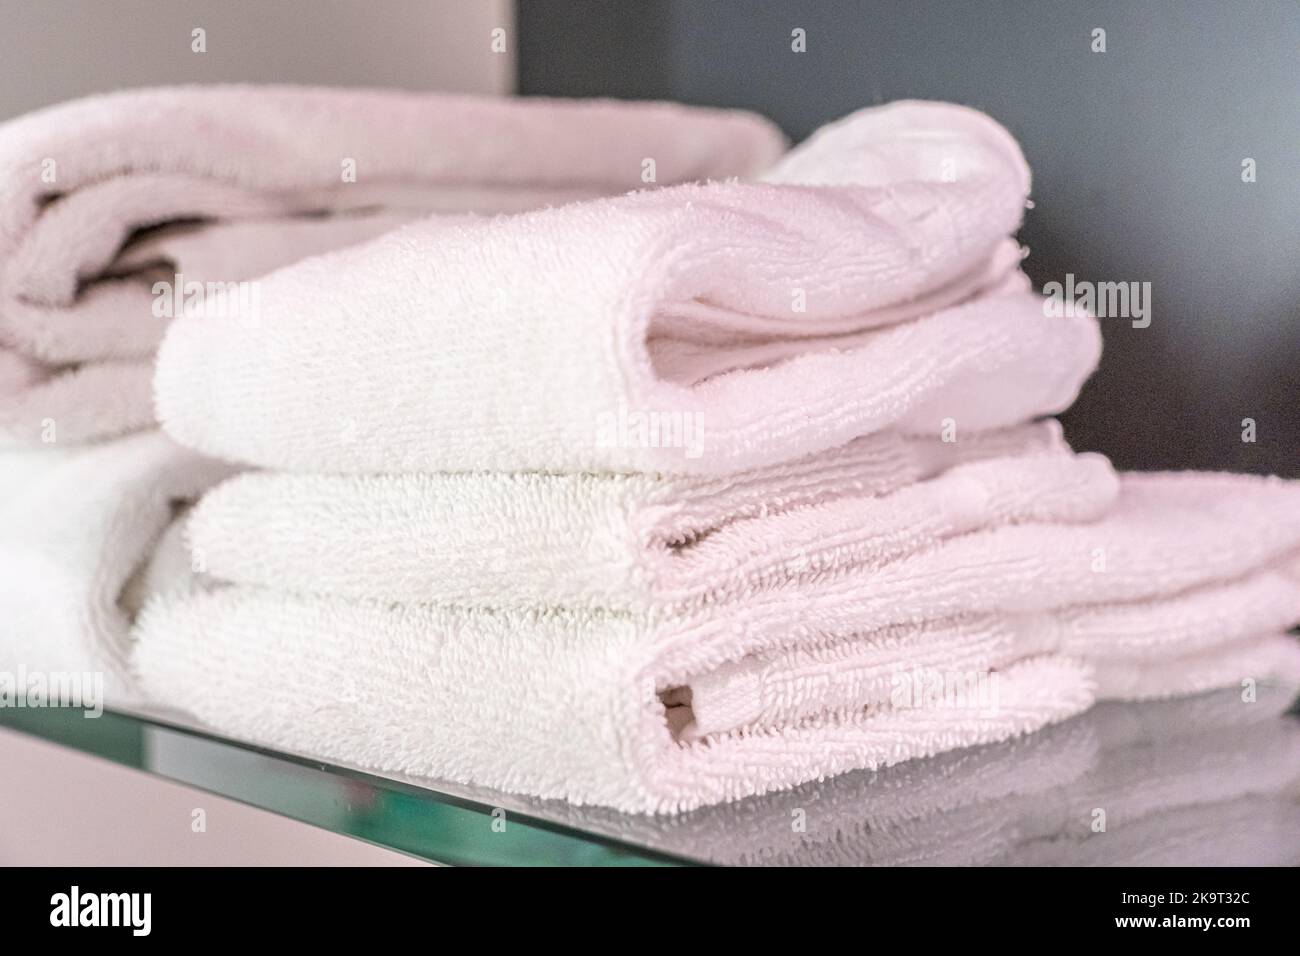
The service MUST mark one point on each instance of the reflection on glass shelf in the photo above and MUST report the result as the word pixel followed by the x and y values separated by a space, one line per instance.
pixel 1207 780
pixel 1202 780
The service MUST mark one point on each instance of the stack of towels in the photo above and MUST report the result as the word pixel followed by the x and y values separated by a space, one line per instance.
pixel 119 213
pixel 649 500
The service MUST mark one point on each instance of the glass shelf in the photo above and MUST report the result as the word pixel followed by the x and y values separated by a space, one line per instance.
pixel 1203 780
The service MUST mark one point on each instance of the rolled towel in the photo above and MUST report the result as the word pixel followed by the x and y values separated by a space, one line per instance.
pixel 83 524
pixel 867 282
pixel 247 179
pixel 600 706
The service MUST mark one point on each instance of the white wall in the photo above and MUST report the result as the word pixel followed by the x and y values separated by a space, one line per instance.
pixel 54 50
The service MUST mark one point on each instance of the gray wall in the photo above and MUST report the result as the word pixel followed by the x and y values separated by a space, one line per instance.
pixel 1136 154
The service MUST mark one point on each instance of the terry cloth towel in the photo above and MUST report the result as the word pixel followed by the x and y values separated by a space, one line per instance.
pixel 526 702
pixel 80 533
pixel 638 541
pixel 107 330
pixel 17 372
pixel 867 281
pixel 261 177
pixel 973 639
pixel 1187 584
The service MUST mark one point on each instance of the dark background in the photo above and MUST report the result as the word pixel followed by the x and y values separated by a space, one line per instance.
pixel 1136 155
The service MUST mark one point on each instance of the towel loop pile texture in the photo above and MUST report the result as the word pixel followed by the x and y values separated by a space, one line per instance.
pixel 104 200
pixel 650 498
pixel 102 197
pixel 677 497
pixel 773 313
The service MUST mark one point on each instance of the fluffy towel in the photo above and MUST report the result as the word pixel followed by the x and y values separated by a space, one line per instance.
pixel 79 531
pixel 526 702
pixel 17 372
pixel 820 673
pixel 249 172
pixel 642 501
pixel 98 340
pixel 633 542
pixel 768 317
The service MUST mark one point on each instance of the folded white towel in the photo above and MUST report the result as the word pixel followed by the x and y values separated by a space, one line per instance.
pixel 634 542
pixel 667 711
pixel 868 282
pixel 523 702
pixel 776 688
pixel 75 528
pixel 261 177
